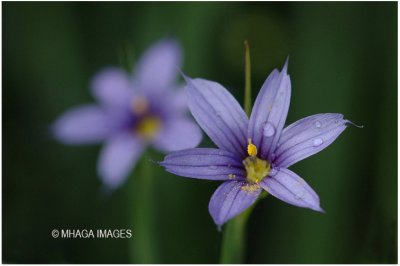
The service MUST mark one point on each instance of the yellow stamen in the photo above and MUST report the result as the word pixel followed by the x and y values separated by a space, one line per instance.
pixel 251 148
pixel 256 169
pixel 250 187
pixel 148 127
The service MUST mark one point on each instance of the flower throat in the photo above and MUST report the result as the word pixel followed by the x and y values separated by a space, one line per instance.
pixel 148 124
pixel 256 168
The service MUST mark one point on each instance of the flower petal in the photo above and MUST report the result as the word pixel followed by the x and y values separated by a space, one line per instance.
pixel 308 136
pixel 218 114
pixel 178 100
pixel 230 199
pixel 82 125
pixel 269 112
pixel 178 134
pixel 292 189
pixel 118 157
pixel 158 67
pixel 204 163
pixel 112 87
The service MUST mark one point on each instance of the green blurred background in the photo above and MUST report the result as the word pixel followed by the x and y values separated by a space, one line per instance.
pixel 343 58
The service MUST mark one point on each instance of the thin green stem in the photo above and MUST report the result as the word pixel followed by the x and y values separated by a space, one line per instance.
pixel 234 236
pixel 234 239
pixel 125 56
pixel 144 247
pixel 247 79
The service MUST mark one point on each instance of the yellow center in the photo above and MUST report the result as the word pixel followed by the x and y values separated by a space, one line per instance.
pixel 256 168
pixel 148 127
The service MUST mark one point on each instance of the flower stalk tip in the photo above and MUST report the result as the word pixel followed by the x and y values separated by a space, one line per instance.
pixel 247 79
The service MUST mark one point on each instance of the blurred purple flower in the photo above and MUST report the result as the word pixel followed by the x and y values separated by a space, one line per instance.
pixel 252 155
pixel 134 111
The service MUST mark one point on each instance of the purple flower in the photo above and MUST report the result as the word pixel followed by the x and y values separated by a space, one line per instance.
pixel 134 111
pixel 252 155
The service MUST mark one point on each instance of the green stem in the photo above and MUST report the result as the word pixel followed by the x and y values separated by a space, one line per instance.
pixel 247 79
pixel 143 242
pixel 234 237
pixel 125 56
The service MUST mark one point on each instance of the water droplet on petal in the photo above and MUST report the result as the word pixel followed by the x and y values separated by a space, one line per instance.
pixel 300 194
pixel 268 130
pixel 221 153
pixel 218 114
pixel 317 124
pixel 273 172
pixel 213 167
pixel 317 142
pixel 273 156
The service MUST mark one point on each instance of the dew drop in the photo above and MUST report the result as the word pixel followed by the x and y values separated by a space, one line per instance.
pixel 273 172
pixel 300 194
pixel 317 124
pixel 273 156
pixel 268 130
pixel 218 114
pixel 213 167
pixel 317 142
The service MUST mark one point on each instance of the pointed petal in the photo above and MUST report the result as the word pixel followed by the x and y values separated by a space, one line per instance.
pixel 118 158
pixel 218 114
pixel 204 163
pixel 82 125
pixel 230 199
pixel 269 112
pixel 289 187
pixel 308 136
pixel 158 67
pixel 112 87
pixel 178 134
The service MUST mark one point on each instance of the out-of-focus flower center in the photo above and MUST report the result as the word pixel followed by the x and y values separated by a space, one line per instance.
pixel 148 127
pixel 148 124
pixel 256 168
pixel 139 106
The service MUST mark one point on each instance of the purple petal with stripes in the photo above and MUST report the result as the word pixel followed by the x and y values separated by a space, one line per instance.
pixel 269 112
pixel 290 188
pixel 308 136
pixel 218 114
pixel 230 199
pixel 204 163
